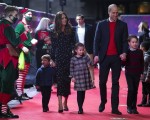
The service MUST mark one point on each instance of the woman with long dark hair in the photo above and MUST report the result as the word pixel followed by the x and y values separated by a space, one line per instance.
pixel 62 39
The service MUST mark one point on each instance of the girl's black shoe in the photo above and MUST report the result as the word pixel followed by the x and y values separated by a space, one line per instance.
pixel 80 111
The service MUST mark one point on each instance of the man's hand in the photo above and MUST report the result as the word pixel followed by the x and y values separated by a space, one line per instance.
pixel 25 50
pixel 123 56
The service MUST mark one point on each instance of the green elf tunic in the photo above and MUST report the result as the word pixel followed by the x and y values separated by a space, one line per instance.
pixel 8 62
pixel 19 30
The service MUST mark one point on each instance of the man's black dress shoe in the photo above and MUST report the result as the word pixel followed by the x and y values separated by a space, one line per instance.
pixel 134 111
pixel 129 110
pixel 45 110
pixel 101 107
pixel 141 105
pixel 117 112
pixel 146 105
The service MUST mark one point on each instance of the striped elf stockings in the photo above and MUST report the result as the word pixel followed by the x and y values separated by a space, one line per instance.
pixel 3 108
pixel 20 82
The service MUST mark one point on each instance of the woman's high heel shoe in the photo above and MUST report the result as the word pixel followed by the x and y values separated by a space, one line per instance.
pixel 60 111
pixel 66 109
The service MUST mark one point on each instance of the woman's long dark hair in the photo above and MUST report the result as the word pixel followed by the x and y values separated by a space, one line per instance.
pixel 58 24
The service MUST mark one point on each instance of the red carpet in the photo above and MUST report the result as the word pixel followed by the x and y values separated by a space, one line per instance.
pixel 32 110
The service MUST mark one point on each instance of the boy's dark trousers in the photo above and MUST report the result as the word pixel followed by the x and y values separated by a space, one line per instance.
pixel 133 84
pixel 46 94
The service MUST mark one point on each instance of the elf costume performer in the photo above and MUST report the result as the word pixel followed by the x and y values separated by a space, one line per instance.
pixel 9 42
pixel 20 28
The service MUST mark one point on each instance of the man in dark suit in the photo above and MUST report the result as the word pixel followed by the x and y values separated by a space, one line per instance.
pixel 84 33
pixel 110 46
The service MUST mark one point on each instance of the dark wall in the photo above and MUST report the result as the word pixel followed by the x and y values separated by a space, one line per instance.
pixel 101 6
pixel 21 3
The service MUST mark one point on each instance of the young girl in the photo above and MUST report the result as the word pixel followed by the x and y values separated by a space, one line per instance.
pixel 133 70
pixel 80 75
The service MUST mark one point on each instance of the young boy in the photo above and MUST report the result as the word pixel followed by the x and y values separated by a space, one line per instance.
pixel 145 76
pixel 133 69
pixel 44 80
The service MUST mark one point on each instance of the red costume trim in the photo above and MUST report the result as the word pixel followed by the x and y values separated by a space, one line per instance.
pixel 4 98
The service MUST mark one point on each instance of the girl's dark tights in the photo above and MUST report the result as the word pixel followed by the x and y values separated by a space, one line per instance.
pixel 80 99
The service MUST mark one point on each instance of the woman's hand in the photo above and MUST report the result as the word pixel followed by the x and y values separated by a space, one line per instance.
pixel 73 79
pixel 47 40
pixel 52 64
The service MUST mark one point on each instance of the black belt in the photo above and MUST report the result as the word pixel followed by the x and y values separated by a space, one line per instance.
pixel 2 46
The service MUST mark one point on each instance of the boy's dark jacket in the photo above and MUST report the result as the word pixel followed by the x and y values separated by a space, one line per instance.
pixel 134 63
pixel 45 76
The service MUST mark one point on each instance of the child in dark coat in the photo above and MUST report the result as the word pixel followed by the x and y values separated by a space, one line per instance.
pixel 44 80
pixel 134 66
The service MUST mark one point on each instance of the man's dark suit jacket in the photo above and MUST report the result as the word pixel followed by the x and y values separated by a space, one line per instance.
pixel 102 37
pixel 88 39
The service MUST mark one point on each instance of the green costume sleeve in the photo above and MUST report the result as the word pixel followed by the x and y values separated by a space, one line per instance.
pixel 11 36
pixel 19 30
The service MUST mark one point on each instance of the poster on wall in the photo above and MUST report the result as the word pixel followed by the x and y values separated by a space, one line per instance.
pixel 133 22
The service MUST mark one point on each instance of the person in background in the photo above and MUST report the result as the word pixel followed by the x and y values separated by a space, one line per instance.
pixel 84 33
pixel 62 42
pixel 143 32
pixel 44 80
pixel 9 42
pixel 134 66
pixel 42 34
pixel 110 46
pixel 80 74
pixel 20 28
pixel 145 76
